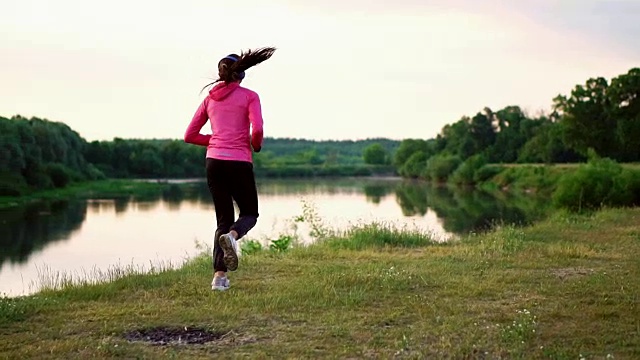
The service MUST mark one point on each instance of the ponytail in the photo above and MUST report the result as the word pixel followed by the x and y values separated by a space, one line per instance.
pixel 251 58
pixel 232 68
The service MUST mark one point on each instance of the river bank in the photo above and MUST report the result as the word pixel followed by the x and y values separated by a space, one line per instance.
pixel 565 287
pixel 90 189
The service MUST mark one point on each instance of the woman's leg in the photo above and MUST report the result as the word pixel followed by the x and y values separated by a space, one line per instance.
pixel 217 180
pixel 244 192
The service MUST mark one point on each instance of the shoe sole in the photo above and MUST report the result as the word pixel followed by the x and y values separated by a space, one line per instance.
pixel 230 256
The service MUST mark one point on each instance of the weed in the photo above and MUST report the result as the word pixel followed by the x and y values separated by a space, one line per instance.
pixel 318 230
pixel 250 247
pixel 282 244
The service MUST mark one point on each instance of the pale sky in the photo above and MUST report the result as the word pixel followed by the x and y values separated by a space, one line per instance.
pixel 348 69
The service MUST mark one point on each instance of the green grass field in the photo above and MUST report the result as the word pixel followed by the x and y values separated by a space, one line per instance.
pixel 565 288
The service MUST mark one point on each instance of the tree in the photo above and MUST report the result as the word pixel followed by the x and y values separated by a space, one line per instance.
pixel 603 117
pixel 585 119
pixel 624 98
pixel 375 154
pixel 482 132
pixel 547 146
pixel 408 147
pixel 415 165
pixel 509 137
pixel 458 138
pixel 41 154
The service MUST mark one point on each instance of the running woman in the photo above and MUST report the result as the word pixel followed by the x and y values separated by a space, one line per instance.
pixel 235 116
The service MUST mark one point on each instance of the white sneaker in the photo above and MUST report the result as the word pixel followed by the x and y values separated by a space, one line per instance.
pixel 220 283
pixel 230 249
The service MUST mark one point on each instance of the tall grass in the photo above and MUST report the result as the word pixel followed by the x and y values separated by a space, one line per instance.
pixel 50 280
pixel 380 235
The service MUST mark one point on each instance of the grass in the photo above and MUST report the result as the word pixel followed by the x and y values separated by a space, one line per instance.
pixel 565 288
pixel 563 165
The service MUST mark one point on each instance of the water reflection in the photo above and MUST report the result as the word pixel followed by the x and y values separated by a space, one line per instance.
pixel 376 192
pixel 28 230
pixel 469 210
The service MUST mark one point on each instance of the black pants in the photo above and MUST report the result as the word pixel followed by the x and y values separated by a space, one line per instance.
pixel 230 181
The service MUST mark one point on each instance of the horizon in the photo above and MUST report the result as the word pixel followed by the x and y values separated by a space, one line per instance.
pixel 118 70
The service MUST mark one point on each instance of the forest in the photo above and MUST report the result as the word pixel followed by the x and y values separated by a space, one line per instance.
pixel 599 118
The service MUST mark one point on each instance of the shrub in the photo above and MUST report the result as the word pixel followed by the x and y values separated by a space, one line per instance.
pixel 60 176
pixel 12 185
pixel 282 244
pixel 93 173
pixel 36 177
pixel 439 167
pixel 414 165
pixel 465 173
pixel 601 182
pixel 250 247
pixel 486 172
pixel 530 178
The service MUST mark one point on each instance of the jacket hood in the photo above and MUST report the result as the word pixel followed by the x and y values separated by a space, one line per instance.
pixel 222 90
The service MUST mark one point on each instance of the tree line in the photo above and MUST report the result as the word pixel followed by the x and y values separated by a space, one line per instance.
pixel 599 117
pixel 39 154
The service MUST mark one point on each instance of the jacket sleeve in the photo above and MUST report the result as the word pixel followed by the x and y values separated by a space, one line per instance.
pixel 255 117
pixel 192 135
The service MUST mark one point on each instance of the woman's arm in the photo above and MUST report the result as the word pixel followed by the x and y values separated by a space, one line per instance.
pixel 255 117
pixel 192 135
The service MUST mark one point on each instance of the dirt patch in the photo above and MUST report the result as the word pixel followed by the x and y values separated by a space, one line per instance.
pixel 173 336
pixel 567 273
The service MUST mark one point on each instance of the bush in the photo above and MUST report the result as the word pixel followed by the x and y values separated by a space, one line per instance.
pixel 59 174
pixel 439 167
pixel 465 173
pixel 12 185
pixel 486 172
pixel 530 178
pixel 414 165
pixel 36 177
pixel 631 177
pixel 251 247
pixel 601 182
pixel 93 173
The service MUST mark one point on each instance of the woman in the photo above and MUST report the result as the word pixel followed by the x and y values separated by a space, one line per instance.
pixel 236 123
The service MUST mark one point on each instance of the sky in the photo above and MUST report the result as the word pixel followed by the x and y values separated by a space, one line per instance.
pixel 348 69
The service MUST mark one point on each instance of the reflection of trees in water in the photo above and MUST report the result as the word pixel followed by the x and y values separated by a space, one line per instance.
pixel 173 195
pixel 377 191
pixel 412 198
pixel 463 211
pixel 374 189
pixel 30 228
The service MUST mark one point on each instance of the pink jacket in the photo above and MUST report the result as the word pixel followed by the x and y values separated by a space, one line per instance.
pixel 232 110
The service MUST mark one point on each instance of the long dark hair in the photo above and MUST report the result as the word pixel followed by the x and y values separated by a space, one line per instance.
pixel 232 67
